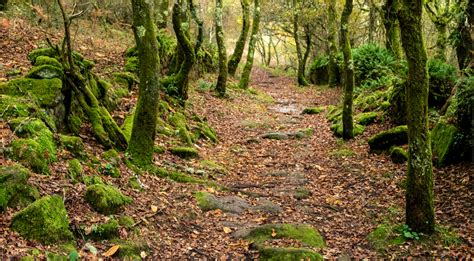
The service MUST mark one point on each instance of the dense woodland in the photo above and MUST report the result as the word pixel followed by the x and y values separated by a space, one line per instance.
pixel 251 129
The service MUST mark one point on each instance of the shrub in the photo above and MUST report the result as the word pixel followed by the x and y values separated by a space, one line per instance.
pixel 372 63
pixel 442 81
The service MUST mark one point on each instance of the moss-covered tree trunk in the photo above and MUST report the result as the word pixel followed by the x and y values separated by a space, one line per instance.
pixel 349 80
pixel 200 25
pixel 222 77
pixel 419 191
pixel 244 80
pixel 299 52
pixel 161 12
pixel 372 21
pixel 440 14
pixel 144 123
pixel 240 45
pixel 392 28
pixel 464 40
pixel 332 50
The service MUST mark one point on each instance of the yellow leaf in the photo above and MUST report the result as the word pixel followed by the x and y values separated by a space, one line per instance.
pixel 143 254
pixel 274 233
pixel 154 209
pixel 211 190
pixel 227 230
pixel 112 251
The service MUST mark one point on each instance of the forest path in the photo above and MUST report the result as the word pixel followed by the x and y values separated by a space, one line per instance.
pixel 318 180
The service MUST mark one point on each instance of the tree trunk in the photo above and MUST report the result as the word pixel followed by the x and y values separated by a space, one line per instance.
pixel 419 191
pixel 332 32
pixel 347 121
pixel 222 78
pixel 161 10
pixel 240 45
pixel 464 42
pixel 392 28
pixel 301 62
pixel 244 80
pixel 441 41
pixel 372 21
pixel 144 124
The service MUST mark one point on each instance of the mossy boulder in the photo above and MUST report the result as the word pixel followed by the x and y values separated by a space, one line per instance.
pixel 276 136
pixel 305 234
pixel 46 60
pixel 31 154
pixel 366 118
pixel 313 110
pixel 130 250
pixel 337 129
pixel 205 131
pixel 231 204
pixel 14 188
pixel 33 55
pixel 445 139
pixel 386 139
pixel 73 144
pixel 44 220
pixel 185 152
pixel 45 71
pixel 106 199
pixel 13 107
pixel 105 231
pixel 46 92
pixel 75 170
pixel 398 155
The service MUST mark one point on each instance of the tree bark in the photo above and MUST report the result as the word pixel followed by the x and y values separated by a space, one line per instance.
pixel 222 78
pixel 240 45
pixel 440 16
pixel 349 80
pixel 419 193
pixel 144 124
pixel 392 28
pixel 161 9
pixel 301 57
pixel 332 50
pixel 464 41
pixel 244 80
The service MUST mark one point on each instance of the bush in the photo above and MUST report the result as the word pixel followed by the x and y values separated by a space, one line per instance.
pixel 442 81
pixel 372 63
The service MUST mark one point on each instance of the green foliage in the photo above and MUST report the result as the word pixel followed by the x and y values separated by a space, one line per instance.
pixel 73 144
pixel 303 233
pixel 75 170
pixel 105 199
pixel 442 81
pixel 445 139
pixel 313 110
pixel 44 220
pixel 366 118
pixel 14 188
pixel 106 230
pixel 46 60
pixel 371 63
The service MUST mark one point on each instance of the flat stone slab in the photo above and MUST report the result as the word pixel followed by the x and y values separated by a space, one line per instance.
pixel 234 204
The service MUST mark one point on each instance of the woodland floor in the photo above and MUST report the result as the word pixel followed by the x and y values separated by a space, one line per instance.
pixel 351 193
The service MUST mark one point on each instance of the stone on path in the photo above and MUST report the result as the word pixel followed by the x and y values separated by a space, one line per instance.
pixel 233 204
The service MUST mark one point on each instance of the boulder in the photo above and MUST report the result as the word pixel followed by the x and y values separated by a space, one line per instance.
pixel 185 152
pixel 106 199
pixel 14 188
pixel 398 155
pixel 386 139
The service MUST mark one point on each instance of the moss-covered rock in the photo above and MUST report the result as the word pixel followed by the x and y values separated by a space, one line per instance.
pixel 45 71
pixel 302 193
pixel 33 55
pixel 46 92
pixel 231 204
pixel 73 144
pixel 14 188
pixel 74 170
pixel 398 155
pixel 445 143
pixel 334 114
pixel 127 126
pixel 31 154
pixel 337 129
pixel 134 183
pixel 185 152
pixel 276 136
pixel 386 139
pixel 105 231
pixel 284 254
pixel 205 131
pixel 313 110
pixel 384 236
pixel 303 133
pixel 112 167
pixel 131 65
pixel 92 180
pixel 125 79
pixel 46 60
pixel 44 220
pixel 13 107
pixel 178 120
pixel 366 118
pixel 126 221
pixel 106 199
pixel 130 250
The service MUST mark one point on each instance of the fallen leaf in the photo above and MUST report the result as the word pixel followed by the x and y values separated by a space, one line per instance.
pixel 227 230
pixel 112 251
pixel 154 209
pixel 143 254
pixel 274 234
pixel 211 190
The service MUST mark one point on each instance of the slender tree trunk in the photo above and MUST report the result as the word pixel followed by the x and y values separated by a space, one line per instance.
pixel 332 32
pixel 441 41
pixel 240 45
pixel 244 80
pixel 464 43
pixel 161 13
pixel 392 28
pixel 301 63
pixel 222 78
pixel 144 124
pixel 419 193
pixel 372 21
pixel 347 121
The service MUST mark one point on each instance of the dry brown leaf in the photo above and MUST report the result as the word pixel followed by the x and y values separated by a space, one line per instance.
pixel 274 234
pixel 227 230
pixel 112 251
pixel 154 209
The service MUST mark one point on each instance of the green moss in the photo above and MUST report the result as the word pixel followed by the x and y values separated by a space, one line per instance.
pixel 366 118
pixel 185 152
pixel 105 199
pixel 105 231
pixel 45 71
pixel 385 139
pixel 313 110
pixel 74 169
pixel 334 114
pixel 398 155
pixel 92 180
pixel 132 65
pixel 342 153
pixel 337 129
pixel 127 126
pixel 14 188
pixel 175 176
pixel 46 60
pixel 31 154
pixel 75 123
pixel 213 166
pixel 444 137
pixel 303 233
pixel 125 79
pixel 304 133
pixel 276 136
pixel 302 193
pixel 203 201
pixel 12 107
pixel 126 221
pixel 205 131
pixel 130 250
pixel 33 55
pixel 385 236
pixel 112 156
pixel 45 92
pixel 284 254
pixel 73 144
pixel 44 220
pixel 159 149
pixel 134 183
